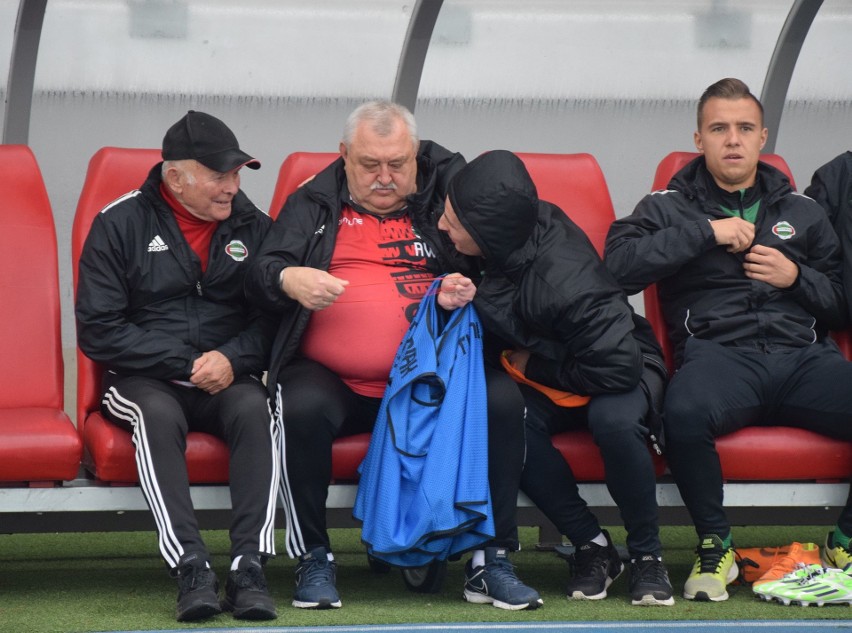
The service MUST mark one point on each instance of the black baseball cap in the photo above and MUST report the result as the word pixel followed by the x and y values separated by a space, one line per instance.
pixel 205 138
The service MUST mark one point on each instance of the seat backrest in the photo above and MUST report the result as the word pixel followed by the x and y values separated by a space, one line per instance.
pixel 576 184
pixel 296 168
pixel 31 367
pixel 112 172
pixel 676 161
pixel 666 170
pixel 573 182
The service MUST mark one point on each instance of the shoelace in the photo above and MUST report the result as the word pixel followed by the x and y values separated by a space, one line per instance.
pixel 191 578
pixel 710 560
pixel 316 572
pixel 651 570
pixel 812 572
pixel 503 571
pixel 251 578
pixel 590 561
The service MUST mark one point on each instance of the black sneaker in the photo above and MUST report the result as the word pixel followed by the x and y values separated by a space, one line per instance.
pixel 246 594
pixel 315 580
pixel 595 567
pixel 496 583
pixel 649 582
pixel 198 589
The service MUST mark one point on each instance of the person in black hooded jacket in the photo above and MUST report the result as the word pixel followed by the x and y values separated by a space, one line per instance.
pixel 545 297
pixel 748 274
pixel 345 265
pixel 831 186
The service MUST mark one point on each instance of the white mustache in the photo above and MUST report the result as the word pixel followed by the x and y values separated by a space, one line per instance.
pixel 377 185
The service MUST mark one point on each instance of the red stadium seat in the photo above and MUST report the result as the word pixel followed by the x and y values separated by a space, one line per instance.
pixel 676 161
pixel 576 184
pixel 110 455
pixel 296 168
pixel 759 453
pixel 38 442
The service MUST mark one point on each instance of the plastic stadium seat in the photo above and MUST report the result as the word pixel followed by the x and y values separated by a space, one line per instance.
pixel 576 184
pixel 765 453
pixel 296 168
pixel 676 161
pixel 110 454
pixel 38 441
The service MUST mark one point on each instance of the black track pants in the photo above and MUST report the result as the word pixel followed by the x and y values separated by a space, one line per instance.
pixel 318 407
pixel 160 414
pixel 720 389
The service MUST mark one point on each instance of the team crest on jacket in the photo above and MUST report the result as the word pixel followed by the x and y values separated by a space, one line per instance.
pixel 237 250
pixel 784 230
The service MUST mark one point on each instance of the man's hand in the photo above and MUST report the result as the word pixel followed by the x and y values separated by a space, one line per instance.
pixel 768 264
pixel 315 289
pixel 735 233
pixel 456 291
pixel 518 359
pixel 212 372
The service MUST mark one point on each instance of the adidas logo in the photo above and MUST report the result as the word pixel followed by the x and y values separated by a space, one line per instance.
pixel 157 244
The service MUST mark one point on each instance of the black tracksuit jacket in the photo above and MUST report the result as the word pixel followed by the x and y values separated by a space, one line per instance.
pixel 143 305
pixel 668 240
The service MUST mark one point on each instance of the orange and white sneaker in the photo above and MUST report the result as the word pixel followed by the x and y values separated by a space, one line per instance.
pixel 797 554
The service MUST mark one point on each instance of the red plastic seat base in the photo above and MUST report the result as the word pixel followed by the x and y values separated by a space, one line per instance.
pixel 780 453
pixel 38 444
pixel 111 455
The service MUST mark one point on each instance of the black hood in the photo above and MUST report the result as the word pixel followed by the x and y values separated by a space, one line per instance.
pixel 496 201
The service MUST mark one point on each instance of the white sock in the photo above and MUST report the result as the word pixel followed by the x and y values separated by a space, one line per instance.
pixel 478 557
pixel 600 539
pixel 235 562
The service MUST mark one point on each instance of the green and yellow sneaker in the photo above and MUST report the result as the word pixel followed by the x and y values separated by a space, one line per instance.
pixel 809 585
pixel 835 555
pixel 713 571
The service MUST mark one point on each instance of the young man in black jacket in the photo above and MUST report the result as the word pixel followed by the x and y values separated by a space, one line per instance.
pixel 160 304
pixel 345 265
pixel 831 186
pixel 545 297
pixel 748 274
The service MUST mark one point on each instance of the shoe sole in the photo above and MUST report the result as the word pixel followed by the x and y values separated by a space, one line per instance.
pixel 648 600
pixel 253 612
pixel 702 596
pixel 199 611
pixel 478 598
pixel 789 602
pixel 317 605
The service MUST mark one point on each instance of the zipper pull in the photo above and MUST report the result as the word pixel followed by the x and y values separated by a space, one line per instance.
pixel 198 288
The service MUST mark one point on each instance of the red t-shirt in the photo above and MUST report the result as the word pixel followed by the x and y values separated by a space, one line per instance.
pixel 385 264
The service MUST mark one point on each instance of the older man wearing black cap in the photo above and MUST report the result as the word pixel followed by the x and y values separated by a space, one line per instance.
pixel 160 305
